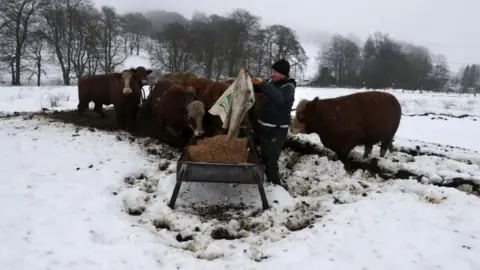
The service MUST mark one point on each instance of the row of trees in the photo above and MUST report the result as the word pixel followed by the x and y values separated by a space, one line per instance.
pixel 84 40
pixel 72 33
pixel 470 79
pixel 81 40
pixel 218 46
pixel 382 62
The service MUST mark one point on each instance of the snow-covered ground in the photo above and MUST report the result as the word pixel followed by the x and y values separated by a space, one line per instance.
pixel 65 194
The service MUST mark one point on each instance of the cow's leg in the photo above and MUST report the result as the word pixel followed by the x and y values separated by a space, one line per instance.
pixel 344 151
pixel 161 130
pixel 81 107
pixel 390 147
pixel 98 109
pixel 368 150
pixel 120 117
pixel 386 145
pixel 133 113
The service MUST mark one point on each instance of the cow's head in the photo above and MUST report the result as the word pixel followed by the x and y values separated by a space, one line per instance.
pixel 196 112
pixel 142 74
pixel 126 77
pixel 300 120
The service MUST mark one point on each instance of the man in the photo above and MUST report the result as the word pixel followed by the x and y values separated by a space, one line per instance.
pixel 275 116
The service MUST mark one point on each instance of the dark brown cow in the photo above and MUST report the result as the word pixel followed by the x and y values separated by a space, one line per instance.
pixel 125 95
pixel 212 93
pixel 213 123
pixel 230 80
pixel 344 122
pixel 253 115
pixel 171 116
pixel 156 94
pixel 199 85
pixel 94 88
pixel 142 73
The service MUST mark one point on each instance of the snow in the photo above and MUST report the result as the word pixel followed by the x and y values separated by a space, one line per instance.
pixel 31 98
pixel 136 60
pixel 66 193
pixel 412 102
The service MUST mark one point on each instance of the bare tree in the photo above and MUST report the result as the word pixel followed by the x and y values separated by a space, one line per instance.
pixel 61 19
pixel 135 27
pixel 282 42
pixel 18 18
pixel 342 56
pixel 7 54
pixel 36 47
pixel 248 24
pixel 81 53
pixel 110 40
pixel 173 49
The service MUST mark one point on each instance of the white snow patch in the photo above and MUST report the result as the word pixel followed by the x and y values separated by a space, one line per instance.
pixel 65 200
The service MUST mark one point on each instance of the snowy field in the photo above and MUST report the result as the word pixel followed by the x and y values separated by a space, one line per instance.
pixel 71 198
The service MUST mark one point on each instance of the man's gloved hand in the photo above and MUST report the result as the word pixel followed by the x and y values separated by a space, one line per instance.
pixel 256 81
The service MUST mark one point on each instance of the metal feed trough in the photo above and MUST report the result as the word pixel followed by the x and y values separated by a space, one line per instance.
pixel 227 173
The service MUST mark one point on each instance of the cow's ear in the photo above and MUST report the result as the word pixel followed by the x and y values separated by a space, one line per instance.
pixel 133 70
pixel 149 71
pixel 118 75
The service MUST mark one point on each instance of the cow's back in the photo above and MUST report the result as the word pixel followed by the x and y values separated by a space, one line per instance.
pixel 360 118
pixel 200 85
pixel 158 90
pixel 381 113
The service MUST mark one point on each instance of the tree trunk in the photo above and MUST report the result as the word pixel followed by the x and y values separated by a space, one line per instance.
pixel 39 72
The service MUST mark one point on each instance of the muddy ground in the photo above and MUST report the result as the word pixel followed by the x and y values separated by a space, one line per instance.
pixel 93 121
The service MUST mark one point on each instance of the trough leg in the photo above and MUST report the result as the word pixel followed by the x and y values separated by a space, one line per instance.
pixel 263 196
pixel 176 190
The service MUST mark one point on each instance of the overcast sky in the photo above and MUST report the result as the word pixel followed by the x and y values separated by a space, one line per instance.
pixel 444 26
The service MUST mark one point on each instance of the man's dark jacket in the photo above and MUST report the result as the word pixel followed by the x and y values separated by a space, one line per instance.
pixel 277 101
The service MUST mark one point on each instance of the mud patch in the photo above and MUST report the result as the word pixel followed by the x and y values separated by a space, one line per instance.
pixel 222 233
pixel 162 223
pixel 92 120
pixel 222 212
pixel 438 115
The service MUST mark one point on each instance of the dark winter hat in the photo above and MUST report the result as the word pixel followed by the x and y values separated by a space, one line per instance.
pixel 282 66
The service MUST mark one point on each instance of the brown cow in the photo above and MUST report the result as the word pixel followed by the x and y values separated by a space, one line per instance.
pixel 344 122
pixel 180 78
pixel 172 114
pixel 199 85
pixel 125 94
